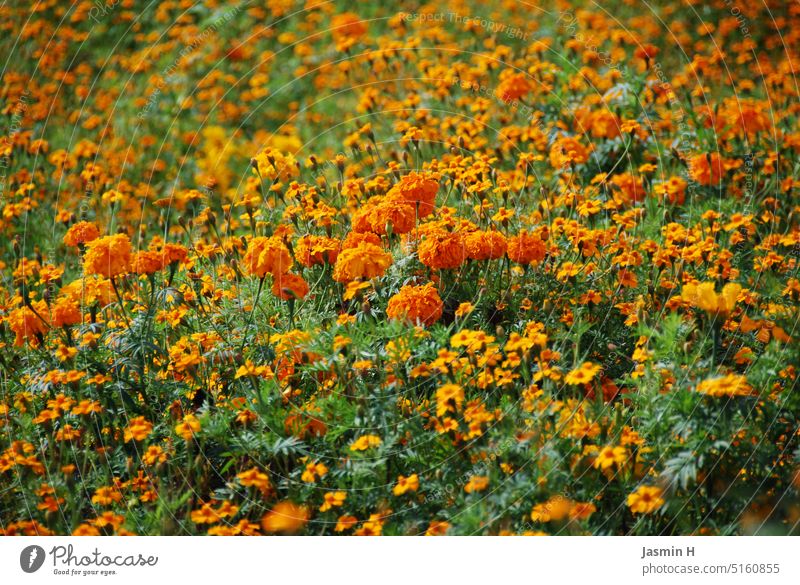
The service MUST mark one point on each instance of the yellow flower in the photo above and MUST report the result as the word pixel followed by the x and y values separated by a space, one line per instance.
pixel 313 471
pixel 109 256
pixel 609 456
pixel 188 426
pixel 583 374
pixel 437 528
pixel 364 442
pixel 255 478
pixel 464 309
pixel 285 517
pixel 406 484
pixel 138 429
pixel 449 398
pixel 333 499
pixel 477 483
pixel 704 297
pixel 726 386
pixel 645 500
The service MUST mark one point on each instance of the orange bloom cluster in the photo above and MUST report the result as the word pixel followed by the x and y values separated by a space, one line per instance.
pixel 416 304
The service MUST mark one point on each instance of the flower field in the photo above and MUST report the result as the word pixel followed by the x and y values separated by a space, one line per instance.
pixel 323 267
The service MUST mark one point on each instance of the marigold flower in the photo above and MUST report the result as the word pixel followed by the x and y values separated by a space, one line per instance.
pixel 555 509
pixel 645 500
pixel 583 374
pixel 476 483
pixel 417 189
pixel 172 253
pixel 138 429
pixel 345 522
pixel 289 286
pixel 437 528
pixel 332 500
pixel 354 239
pixel 609 456
pixel 704 297
pixel 267 256
pixel 313 471
pixel 82 232
pixel 464 309
pixel 566 151
pixel 485 245
pixel 109 256
pixel 365 442
pixel 442 250
pixel 253 477
pixel 26 324
pixel 312 250
pixel 188 427
pixel 526 248
pixel 399 216
pixel 513 85
pixel 416 304
pixel 285 517
pixel 725 387
pixel 146 262
pixel 406 484
pixel 364 261
pixel 348 25
pixel 273 164
pixel 449 398
pixel 707 169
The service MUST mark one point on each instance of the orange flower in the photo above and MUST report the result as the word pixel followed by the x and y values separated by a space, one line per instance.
pixel 566 151
pixel 355 239
pixel 645 500
pixel 363 261
pixel 725 387
pixel 417 189
pixel 255 478
pixel 416 304
pixel 583 374
pixel 65 311
pixel 312 250
pixel 81 233
pixel 26 324
pixel 267 256
pixel 285 517
pixel 442 250
pixel 488 245
pixel 437 528
pixel 109 256
pixel 513 86
pixel 703 296
pixel 289 286
pixel 400 216
pixel 138 429
pixel 188 427
pixel 646 52
pixel 146 262
pixel 172 253
pixel 707 169
pixel 628 188
pixel 476 483
pixel 406 484
pixel 526 248
pixel 347 25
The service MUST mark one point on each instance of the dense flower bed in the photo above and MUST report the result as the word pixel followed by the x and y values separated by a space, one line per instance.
pixel 327 268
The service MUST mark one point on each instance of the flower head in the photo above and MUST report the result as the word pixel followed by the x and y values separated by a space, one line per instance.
pixel 267 256
pixel 645 500
pixel 416 304
pixel 109 256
